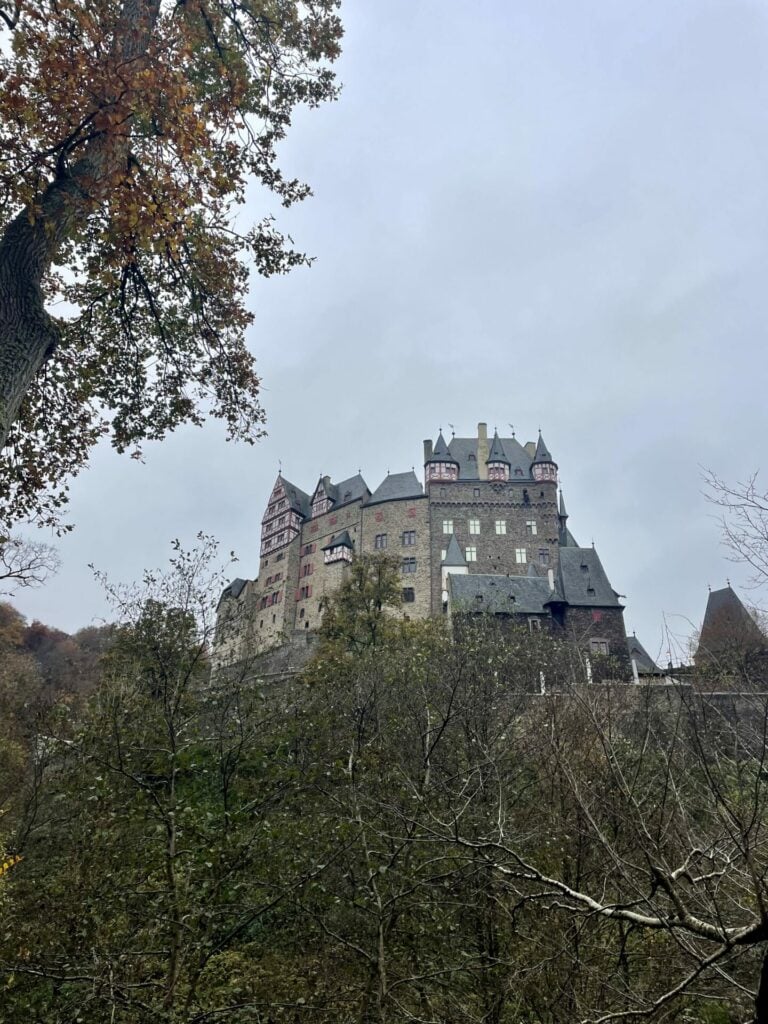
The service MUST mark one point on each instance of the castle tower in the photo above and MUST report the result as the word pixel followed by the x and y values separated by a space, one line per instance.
pixel 543 466
pixel 441 465
pixel 497 461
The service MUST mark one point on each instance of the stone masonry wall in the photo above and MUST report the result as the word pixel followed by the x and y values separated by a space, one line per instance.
pixel 488 502
pixel 323 579
pixel 585 624
pixel 392 519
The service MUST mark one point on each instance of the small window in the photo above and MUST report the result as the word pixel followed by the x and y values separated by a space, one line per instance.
pixel 598 646
pixel 409 538
pixel 279 558
pixel 470 553
pixel 501 526
pixel 476 492
pixel 584 567
pixel 443 554
pixel 409 595
pixel 520 556
pixel 447 526
pixel 301 613
pixel 543 556
pixel 380 542
pixel 474 526
pixel 409 565
pixel 261 623
pixel 478 598
pixel 531 527
pixel 306 624
pixel 442 492
pixel 534 625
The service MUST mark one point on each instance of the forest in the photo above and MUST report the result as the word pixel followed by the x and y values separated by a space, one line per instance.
pixel 407 831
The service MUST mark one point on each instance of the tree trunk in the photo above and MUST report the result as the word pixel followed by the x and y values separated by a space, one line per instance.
pixel 31 241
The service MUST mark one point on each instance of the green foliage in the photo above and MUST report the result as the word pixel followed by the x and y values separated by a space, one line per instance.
pixel 403 834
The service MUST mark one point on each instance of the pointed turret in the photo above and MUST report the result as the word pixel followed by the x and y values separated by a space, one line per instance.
pixel 563 514
pixel 441 465
pixel 497 461
pixel 543 466
pixel 453 556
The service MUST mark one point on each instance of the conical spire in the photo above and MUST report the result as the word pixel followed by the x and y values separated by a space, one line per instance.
pixel 497 453
pixel 542 452
pixel 453 555
pixel 440 452
pixel 563 513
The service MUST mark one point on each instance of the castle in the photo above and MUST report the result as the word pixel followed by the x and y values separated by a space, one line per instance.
pixel 485 533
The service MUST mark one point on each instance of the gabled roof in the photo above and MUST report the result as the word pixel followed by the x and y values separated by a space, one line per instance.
pixel 396 487
pixel 645 663
pixel 519 459
pixel 352 489
pixel 343 540
pixel 453 554
pixel 233 590
pixel 542 452
pixel 499 595
pixel 728 625
pixel 297 499
pixel 583 580
pixel 497 453
pixel 441 452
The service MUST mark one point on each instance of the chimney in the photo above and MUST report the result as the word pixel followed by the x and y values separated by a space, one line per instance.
pixel 482 451
pixel 427 451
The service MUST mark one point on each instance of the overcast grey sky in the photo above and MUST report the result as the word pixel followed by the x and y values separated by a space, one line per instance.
pixel 546 212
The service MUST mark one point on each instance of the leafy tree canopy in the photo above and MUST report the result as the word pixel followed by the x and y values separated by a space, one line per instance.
pixel 128 135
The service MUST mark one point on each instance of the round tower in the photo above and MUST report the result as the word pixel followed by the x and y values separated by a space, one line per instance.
pixel 497 461
pixel 543 466
pixel 441 465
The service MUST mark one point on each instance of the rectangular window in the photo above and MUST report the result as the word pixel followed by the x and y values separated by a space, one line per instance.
pixel 534 625
pixel 409 565
pixel 543 556
pixel 443 553
pixel 409 538
pixel 476 492
pixel 470 553
pixel 520 557
pixel 474 527
pixel 304 592
pixel 598 646
pixel 501 526
pixel 531 527
pixel 409 595
pixel 306 570
pixel 380 542
pixel 447 526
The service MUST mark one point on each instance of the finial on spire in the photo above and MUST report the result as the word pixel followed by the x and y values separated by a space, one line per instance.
pixel 728 583
pixel 279 467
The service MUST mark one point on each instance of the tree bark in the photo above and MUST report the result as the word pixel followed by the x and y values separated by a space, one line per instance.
pixel 28 335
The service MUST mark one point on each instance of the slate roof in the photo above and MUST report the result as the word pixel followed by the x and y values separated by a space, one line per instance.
pixel 343 540
pixel 583 581
pixel 645 663
pixel 464 451
pixel 563 514
pixel 441 451
pixel 727 624
pixel 497 453
pixel 297 499
pixel 567 540
pixel 397 487
pixel 234 589
pixel 352 489
pixel 542 452
pixel 507 595
pixel 453 554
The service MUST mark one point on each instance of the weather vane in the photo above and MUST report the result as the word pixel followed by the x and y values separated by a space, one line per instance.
pixel 453 430
pixel 512 428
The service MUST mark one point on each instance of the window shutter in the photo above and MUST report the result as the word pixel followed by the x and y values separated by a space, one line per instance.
pixel 309 591
pixel 298 595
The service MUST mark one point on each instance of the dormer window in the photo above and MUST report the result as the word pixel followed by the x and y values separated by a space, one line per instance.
pixel 339 553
